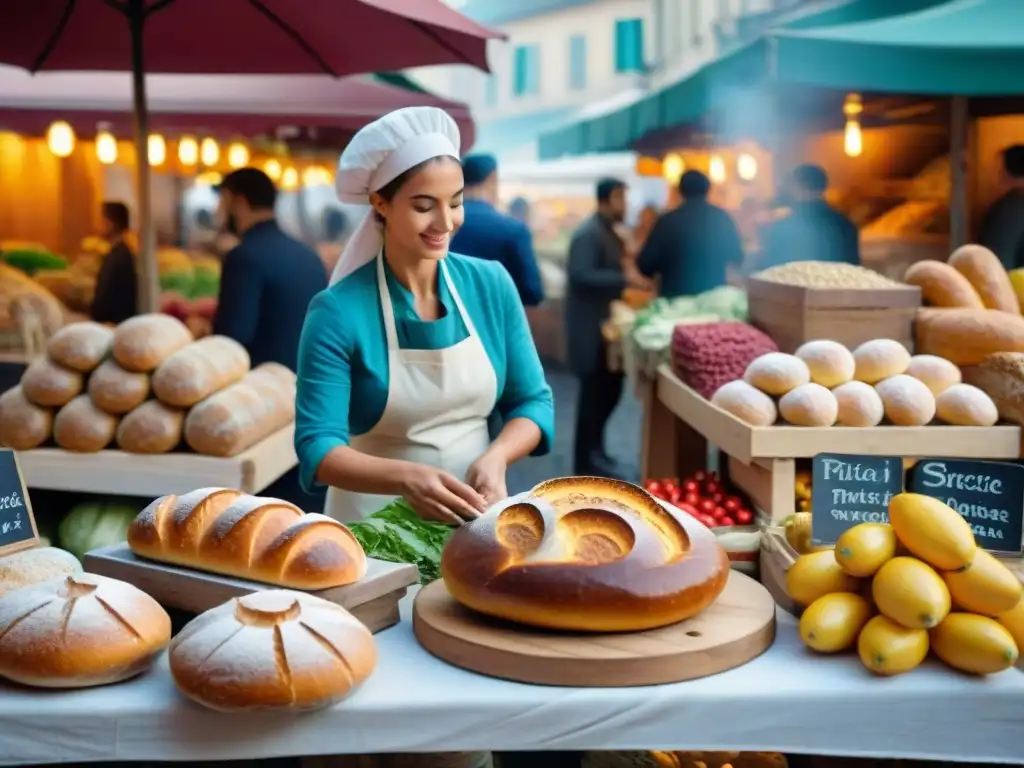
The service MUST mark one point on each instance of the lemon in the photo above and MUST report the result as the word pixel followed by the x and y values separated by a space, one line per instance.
pixel 887 648
pixel 832 622
pixel 865 548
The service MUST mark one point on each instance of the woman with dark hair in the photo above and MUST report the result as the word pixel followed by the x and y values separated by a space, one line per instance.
pixel 406 355
pixel 116 297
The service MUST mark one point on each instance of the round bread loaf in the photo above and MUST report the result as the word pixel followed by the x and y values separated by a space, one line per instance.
pixel 142 342
pixel 23 425
pixel 80 346
pixel 151 428
pixel 776 373
pixel 908 402
pixel 48 384
pixel 860 405
pixel 966 406
pixel 829 362
pixel 82 427
pixel 79 631
pixel 748 404
pixel 585 554
pixel 32 566
pixel 937 373
pixel 115 390
pixel 809 405
pixel 879 359
pixel 276 649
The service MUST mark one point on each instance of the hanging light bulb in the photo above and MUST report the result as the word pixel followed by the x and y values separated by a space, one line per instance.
pixel 290 179
pixel 316 176
pixel 208 179
pixel 238 155
pixel 106 146
pixel 716 169
pixel 746 167
pixel 60 138
pixel 156 150
pixel 273 169
pixel 188 151
pixel 853 140
pixel 672 168
pixel 209 152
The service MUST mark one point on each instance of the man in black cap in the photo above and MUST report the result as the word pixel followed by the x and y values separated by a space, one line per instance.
pixel 692 247
pixel 1002 229
pixel 116 298
pixel 814 230
pixel 488 234
pixel 268 280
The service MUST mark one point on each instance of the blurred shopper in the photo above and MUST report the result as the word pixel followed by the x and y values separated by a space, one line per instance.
pixel 489 234
pixel 645 224
pixel 117 287
pixel 1002 229
pixel 693 247
pixel 814 230
pixel 269 278
pixel 519 209
pixel 595 279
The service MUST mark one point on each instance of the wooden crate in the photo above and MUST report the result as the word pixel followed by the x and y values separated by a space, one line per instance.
pixel 776 558
pixel 769 483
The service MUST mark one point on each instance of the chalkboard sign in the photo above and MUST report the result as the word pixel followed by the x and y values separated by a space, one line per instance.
pixel 989 495
pixel 847 490
pixel 17 527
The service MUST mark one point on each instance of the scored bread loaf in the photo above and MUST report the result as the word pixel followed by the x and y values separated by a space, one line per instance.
pixel 142 342
pixel 46 383
pixel 1001 377
pixel 238 417
pixel 249 537
pixel 115 390
pixel 80 346
pixel 151 428
pixel 23 425
pixel 585 554
pixel 82 427
pixel 32 566
pixel 197 371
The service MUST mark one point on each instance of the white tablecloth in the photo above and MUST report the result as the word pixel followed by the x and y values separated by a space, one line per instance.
pixel 787 701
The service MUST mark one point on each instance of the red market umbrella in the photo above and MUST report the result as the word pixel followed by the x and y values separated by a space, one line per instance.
pixel 334 37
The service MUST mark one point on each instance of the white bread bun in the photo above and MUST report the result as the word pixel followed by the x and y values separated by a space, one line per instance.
pixel 966 406
pixel 748 404
pixel 32 566
pixel 860 405
pixel 80 346
pixel 880 359
pixel 908 402
pixel 776 373
pixel 809 405
pixel 937 373
pixel 276 649
pixel 829 362
pixel 79 631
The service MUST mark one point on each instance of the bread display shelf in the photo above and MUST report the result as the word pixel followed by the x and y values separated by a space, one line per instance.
pixel 373 599
pixel 130 474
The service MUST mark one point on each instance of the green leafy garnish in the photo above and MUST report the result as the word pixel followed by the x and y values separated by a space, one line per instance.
pixel 397 535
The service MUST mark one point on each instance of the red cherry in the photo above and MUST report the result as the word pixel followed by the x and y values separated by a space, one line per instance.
pixel 718 498
pixel 692 498
pixel 707 506
pixel 691 486
pixel 711 487
pixel 743 517
pixel 732 504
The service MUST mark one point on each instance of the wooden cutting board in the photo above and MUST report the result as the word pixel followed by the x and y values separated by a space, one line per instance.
pixel 738 627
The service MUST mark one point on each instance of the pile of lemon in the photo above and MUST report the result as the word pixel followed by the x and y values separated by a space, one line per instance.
pixel 920 582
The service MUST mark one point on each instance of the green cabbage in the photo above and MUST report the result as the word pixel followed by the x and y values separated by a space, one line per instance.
pixel 94 525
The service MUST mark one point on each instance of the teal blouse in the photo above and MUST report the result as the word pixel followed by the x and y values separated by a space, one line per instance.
pixel 343 356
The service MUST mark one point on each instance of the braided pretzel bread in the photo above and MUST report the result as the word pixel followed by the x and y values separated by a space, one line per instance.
pixel 585 554
pixel 249 537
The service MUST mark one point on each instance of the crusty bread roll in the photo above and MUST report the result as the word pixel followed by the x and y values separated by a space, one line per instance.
pixel 585 554
pixel 967 336
pixel 80 346
pixel 908 402
pixel 197 371
pixel 115 390
pixel 23 425
pixel 937 373
pixel 250 537
pixel 238 417
pixel 829 362
pixel 32 566
pixel 809 405
pixel 746 403
pixel 987 275
pixel 880 359
pixel 776 373
pixel 1001 377
pixel 275 649
pixel 860 405
pixel 941 285
pixel 48 384
pixel 966 406
pixel 151 428
pixel 82 427
pixel 79 631
pixel 142 342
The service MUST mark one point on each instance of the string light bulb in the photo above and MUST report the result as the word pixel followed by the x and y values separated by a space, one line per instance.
pixel 716 169
pixel 316 176
pixel 156 149
pixel 273 169
pixel 290 179
pixel 209 152
pixel 673 168
pixel 60 139
pixel 746 167
pixel 106 146
pixel 188 151
pixel 853 139
pixel 238 155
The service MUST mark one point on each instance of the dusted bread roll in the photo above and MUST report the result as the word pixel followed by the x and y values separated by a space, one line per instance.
pixel 938 374
pixel 272 650
pixel 115 390
pixel 585 554
pixel 142 342
pixel 860 405
pixel 987 275
pixel 150 428
pixel 879 359
pixel 942 286
pixel 32 566
pixel 267 540
pixel 746 403
pixel 82 427
pixel 46 383
pixel 23 425
pixel 809 405
pixel 200 369
pixel 829 362
pixel 966 406
pixel 238 417
pixel 908 402
pixel 80 346
pixel 79 631
pixel 1001 377
pixel 777 373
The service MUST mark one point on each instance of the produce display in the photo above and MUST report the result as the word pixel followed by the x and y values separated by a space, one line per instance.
pixel 653 325
pixel 897 590
pixel 708 355
pixel 632 564
pixel 826 274
pixel 704 497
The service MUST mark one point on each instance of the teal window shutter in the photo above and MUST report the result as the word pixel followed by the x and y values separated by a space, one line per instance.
pixel 525 70
pixel 577 62
pixel 629 45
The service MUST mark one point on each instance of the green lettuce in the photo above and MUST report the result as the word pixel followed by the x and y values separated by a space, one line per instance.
pixel 397 534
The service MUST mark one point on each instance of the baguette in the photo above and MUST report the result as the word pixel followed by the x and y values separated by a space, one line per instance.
pixel 942 286
pixel 151 428
pixel 80 346
pixel 141 343
pixel 967 336
pixel 51 385
pixel 115 390
pixel 987 275
pixel 248 537
pixel 23 425
pixel 1001 377
pixel 199 370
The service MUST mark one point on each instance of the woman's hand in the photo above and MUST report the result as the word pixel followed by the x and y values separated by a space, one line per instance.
pixel 487 476
pixel 438 496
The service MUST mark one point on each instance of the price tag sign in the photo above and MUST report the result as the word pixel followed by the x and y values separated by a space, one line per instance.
pixel 847 490
pixel 989 495
pixel 17 526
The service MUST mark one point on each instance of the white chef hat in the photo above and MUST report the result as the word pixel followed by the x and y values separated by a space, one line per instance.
pixel 381 152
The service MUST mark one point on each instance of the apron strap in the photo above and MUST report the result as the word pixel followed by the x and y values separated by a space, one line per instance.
pixel 387 308
pixel 458 300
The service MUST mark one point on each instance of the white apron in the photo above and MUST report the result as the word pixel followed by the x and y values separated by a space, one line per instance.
pixel 437 407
